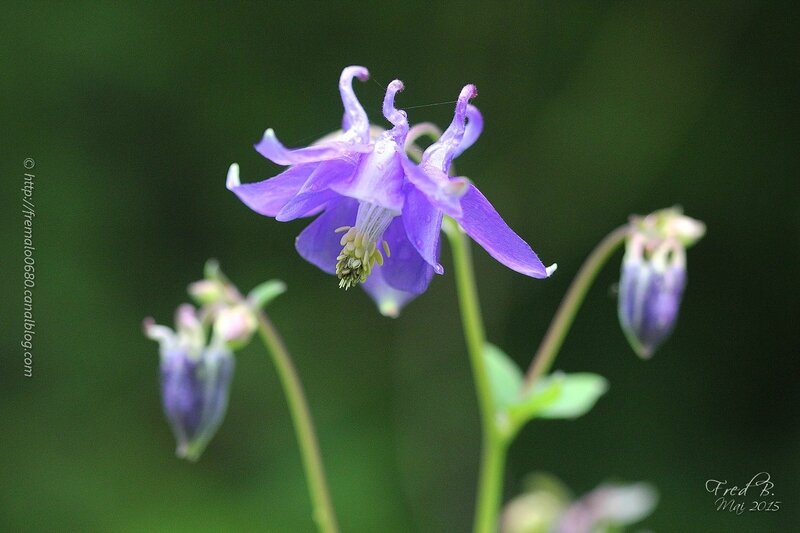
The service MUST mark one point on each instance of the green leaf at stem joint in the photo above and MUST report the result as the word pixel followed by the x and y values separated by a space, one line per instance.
pixel 578 394
pixel 558 395
pixel 505 377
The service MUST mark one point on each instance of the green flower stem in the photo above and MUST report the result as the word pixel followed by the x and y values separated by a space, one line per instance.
pixel 572 301
pixel 490 484
pixel 324 515
pixel 494 446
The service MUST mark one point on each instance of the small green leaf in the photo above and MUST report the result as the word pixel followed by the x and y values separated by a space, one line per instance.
pixel 542 395
pixel 579 393
pixel 264 293
pixel 505 377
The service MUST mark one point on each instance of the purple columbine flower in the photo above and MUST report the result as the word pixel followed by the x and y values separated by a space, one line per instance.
pixel 380 215
pixel 653 277
pixel 195 380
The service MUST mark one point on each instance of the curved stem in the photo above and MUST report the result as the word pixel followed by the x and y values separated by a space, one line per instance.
pixel 324 515
pixel 493 450
pixel 572 301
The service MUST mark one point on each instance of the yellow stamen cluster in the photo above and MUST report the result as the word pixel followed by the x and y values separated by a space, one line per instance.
pixel 357 258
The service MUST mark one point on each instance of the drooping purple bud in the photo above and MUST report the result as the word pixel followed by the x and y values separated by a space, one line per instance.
pixel 653 277
pixel 207 291
pixel 195 382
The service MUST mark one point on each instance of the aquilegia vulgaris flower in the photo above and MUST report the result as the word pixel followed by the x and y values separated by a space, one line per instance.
pixel 380 214
pixel 654 276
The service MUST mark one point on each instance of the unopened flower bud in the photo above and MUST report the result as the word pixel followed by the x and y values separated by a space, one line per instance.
pixel 608 508
pixel 654 276
pixel 235 325
pixel 195 381
pixel 207 291
pixel 534 512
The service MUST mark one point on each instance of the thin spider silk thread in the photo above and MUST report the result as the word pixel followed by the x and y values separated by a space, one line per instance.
pixel 415 106
pixel 319 135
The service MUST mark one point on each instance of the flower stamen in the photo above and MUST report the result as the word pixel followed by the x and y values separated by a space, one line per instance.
pixel 359 243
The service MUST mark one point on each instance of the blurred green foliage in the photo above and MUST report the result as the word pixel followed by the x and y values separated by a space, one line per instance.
pixel 594 111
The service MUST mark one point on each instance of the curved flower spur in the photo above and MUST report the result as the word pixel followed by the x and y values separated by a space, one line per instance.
pixel 381 214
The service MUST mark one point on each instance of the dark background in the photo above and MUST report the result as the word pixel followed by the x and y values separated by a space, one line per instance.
pixel 593 111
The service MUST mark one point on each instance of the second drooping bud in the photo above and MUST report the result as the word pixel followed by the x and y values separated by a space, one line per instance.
pixel 653 277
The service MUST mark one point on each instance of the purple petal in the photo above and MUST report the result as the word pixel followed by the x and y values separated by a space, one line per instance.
pixel 378 178
pixel 472 131
pixel 315 191
pixel 435 185
pixel 441 153
pixel 194 392
pixel 649 300
pixel 388 299
pixel 181 394
pixel 482 222
pixel 271 148
pixel 423 223
pixel 319 243
pixel 355 118
pixel 405 270
pixel 305 205
pixel 269 196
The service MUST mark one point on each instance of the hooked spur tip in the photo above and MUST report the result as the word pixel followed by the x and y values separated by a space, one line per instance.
pixel 395 86
pixel 390 112
pixel 355 71
pixel 468 92
pixel 552 268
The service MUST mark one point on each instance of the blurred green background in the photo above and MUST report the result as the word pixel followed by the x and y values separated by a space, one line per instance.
pixel 593 111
